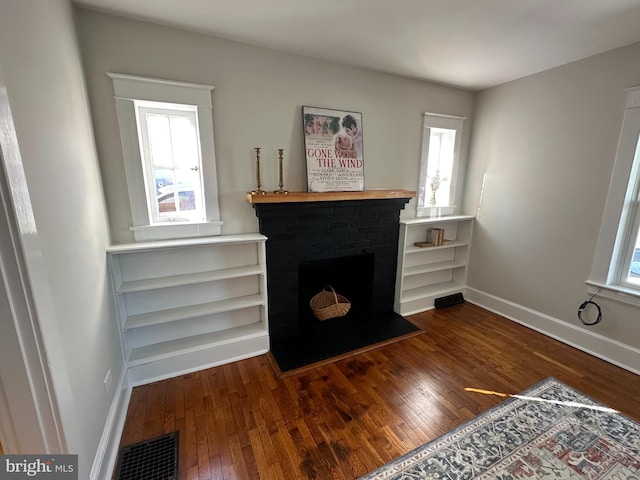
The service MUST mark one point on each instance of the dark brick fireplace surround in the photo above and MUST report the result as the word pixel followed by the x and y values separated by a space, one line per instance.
pixel 346 239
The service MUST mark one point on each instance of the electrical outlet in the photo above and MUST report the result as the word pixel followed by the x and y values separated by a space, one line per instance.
pixel 107 381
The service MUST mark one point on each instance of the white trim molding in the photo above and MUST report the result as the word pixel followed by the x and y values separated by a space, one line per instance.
pixel 614 292
pixel 449 122
pixel 618 230
pixel 105 460
pixel 612 351
pixel 127 89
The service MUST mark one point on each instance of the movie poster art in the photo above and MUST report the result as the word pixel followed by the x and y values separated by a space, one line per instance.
pixel 333 149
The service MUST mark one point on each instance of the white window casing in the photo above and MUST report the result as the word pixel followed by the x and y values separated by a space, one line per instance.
pixel 620 223
pixel 446 122
pixel 129 89
pixel 172 161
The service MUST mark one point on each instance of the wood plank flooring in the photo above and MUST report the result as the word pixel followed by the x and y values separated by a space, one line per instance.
pixel 341 420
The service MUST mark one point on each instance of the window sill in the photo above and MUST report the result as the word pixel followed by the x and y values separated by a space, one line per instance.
pixel 435 211
pixel 615 292
pixel 176 230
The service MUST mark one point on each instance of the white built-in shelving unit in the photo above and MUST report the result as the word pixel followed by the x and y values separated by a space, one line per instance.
pixel 185 305
pixel 427 273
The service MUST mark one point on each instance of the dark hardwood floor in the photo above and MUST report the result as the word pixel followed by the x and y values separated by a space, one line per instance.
pixel 343 419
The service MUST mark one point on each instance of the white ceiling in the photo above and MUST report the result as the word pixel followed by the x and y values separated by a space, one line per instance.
pixel 472 44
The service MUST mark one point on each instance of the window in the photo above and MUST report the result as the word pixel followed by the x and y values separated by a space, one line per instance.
pixel 169 143
pixel 439 165
pixel 616 266
pixel 166 130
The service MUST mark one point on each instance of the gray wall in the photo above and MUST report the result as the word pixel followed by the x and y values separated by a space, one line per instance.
pixel 63 224
pixel 545 146
pixel 257 103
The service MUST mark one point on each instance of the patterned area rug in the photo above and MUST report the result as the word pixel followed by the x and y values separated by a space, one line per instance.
pixel 550 431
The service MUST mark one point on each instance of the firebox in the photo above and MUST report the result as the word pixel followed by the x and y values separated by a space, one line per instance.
pixel 351 277
pixel 348 241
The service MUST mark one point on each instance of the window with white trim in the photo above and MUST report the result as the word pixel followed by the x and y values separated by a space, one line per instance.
pixel 439 164
pixel 166 129
pixel 169 144
pixel 616 266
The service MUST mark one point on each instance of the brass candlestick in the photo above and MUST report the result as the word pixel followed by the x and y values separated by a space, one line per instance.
pixel 281 190
pixel 258 190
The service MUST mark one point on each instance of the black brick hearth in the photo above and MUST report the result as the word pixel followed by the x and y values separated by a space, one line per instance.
pixel 306 233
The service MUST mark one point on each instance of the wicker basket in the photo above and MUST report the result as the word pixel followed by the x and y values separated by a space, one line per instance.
pixel 328 304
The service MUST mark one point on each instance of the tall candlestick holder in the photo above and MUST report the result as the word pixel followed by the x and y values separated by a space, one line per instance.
pixel 281 190
pixel 258 190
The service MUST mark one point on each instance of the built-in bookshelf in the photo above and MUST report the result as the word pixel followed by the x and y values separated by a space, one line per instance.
pixel 185 305
pixel 431 266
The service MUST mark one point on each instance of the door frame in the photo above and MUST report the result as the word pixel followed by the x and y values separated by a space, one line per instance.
pixel 30 420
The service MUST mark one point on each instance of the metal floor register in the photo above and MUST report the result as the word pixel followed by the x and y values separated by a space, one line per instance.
pixel 155 459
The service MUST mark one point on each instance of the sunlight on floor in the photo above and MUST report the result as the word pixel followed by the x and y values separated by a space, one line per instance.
pixel 538 399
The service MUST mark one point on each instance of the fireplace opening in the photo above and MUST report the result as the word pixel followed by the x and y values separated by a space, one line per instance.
pixel 351 277
pixel 309 340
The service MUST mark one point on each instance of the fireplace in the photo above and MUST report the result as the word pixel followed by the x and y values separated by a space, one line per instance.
pixel 348 240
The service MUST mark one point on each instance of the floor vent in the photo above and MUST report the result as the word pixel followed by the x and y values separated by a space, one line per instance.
pixel 155 459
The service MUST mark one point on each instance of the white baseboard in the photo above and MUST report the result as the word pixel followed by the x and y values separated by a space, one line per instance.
pixel 612 351
pixel 106 456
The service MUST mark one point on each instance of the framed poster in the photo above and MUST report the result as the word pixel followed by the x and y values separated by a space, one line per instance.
pixel 333 150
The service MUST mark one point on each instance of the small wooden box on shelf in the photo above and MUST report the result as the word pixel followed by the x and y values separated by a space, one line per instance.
pixel 432 260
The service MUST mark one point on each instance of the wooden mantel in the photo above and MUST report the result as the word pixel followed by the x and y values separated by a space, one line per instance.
pixel 297 197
